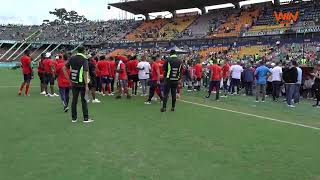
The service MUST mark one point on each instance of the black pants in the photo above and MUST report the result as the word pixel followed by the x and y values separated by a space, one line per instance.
pixel 276 85
pixel 112 84
pixel 75 93
pixel 233 83
pixel 98 84
pixel 317 92
pixel 170 86
pixel 269 88
pixel 216 85
pixel 152 90
pixel 248 88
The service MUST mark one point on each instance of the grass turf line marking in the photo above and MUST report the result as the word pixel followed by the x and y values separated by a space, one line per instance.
pixel 16 86
pixel 252 115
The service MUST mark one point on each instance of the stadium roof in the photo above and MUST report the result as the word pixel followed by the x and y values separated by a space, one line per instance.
pixel 150 6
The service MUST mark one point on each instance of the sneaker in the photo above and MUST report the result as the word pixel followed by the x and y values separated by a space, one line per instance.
pixel 96 101
pixel 291 106
pixel 172 109
pixel 103 95
pixel 19 93
pixel 163 110
pixel 142 95
pixel 66 109
pixel 207 97
pixel 27 95
pixel 147 102
pixel 74 120
pixel 43 93
pixel 315 105
pixel 262 101
pixel 257 101
pixel 154 99
pixel 56 95
pixel 224 96
pixel 88 121
pixel 49 95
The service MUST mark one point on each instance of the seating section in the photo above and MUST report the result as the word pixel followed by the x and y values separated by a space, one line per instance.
pixel 205 52
pixel 252 50
pixel 205 24
pixel 175 27
pixel 236 22
pixel 148 29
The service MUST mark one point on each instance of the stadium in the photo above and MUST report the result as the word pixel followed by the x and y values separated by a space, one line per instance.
pixel 218 91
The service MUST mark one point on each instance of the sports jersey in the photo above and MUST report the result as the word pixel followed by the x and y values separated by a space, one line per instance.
pixel 26 64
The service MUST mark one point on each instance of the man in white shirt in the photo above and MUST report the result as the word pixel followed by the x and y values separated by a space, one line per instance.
pixel 298 84
pixel 276 81
pixel 235 72
pixel 144 73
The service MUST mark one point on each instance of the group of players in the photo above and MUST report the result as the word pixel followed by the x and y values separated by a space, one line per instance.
pixel 164 76
pixel 104 73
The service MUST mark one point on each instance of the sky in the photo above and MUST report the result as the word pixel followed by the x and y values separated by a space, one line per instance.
pixel 30 12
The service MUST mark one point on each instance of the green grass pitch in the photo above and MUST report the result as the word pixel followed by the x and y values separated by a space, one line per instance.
pixel 133 141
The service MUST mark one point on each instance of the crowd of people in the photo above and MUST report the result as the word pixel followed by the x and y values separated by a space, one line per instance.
pixel 100 74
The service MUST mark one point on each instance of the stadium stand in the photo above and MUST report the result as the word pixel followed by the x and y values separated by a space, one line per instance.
pixel 175 27
pixel 148 29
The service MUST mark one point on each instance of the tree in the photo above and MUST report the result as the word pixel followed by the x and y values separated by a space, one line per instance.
pixel 64 16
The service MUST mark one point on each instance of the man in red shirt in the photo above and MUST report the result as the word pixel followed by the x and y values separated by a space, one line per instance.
pixel 98 76
pixel 104 68
pixel 41 74
pixel 155 80
pixel 215 78
pixel 64 83
pixel 160 88
pixel 122 78
pixel 49 69
pixel 27 72
pixel 225 76
pixel 198 75
pixel 133 74
pixel 112 64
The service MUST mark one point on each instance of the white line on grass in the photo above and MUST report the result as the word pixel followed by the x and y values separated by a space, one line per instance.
pixel 15 86
pixel 252 115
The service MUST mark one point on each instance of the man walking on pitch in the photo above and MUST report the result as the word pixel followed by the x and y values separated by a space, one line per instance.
pixel 276 81
pixel 261 74
pixel 63 83
pixel 27 72
pixel 172 71
pixel 155 80
pixel 79 76
pixel 215 79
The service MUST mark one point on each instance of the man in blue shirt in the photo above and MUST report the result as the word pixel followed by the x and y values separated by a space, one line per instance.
pixel 262 73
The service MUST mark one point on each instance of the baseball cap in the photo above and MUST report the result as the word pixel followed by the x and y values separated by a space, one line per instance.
pixel 48 55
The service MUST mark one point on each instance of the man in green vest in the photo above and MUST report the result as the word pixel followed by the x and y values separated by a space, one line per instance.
pixel 79 68
pixel 303 61
pixel 172 73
